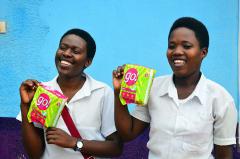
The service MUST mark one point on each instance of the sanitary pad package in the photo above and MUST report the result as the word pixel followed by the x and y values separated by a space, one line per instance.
pixel 46 106
pixel 136 84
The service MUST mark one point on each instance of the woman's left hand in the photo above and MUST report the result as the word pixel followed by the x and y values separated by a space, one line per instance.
pixel 59 137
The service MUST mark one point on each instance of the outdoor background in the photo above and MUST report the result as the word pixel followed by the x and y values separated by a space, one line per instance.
pixel 125 31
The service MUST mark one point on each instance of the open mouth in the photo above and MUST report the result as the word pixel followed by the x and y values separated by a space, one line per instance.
pixel 65 63
pixel 179 63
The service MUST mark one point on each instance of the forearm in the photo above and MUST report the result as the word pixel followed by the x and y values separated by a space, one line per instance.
pixel 223 152
pixel 127 126
pixel 33 139
pixel 123 120
pixel 106 148
pixel 224 157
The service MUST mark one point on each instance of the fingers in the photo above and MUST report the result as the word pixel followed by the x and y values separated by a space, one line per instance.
pixel 59 137
pixel 115 74
pixel 52 135
pixel 52 130
pixel 30 84
pixel 119 72
pixel 27 90
pixel 51 139
pixel 36 84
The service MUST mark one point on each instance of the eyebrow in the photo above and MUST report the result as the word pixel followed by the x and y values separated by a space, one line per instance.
pixel 187 42
pixel 69 45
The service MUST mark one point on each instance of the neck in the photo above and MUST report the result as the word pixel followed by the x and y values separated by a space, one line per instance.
pixel 70 83
pixel 188 81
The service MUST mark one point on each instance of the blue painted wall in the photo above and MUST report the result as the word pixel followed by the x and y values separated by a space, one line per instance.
pixel 125 32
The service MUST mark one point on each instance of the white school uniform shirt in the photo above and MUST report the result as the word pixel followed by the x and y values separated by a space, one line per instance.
pixel 92 110
pixel 187 129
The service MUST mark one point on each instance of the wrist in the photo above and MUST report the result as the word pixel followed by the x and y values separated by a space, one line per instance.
pixel 24 108
pixel 78 144
pixel 116 92
pixel 24 105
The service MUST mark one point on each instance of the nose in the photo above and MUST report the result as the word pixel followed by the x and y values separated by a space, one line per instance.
pixel 67 53
pixel 178 51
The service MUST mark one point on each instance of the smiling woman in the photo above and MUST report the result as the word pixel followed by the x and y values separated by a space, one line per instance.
pixel 184 53
pixel 187 113
pixel 71 57
pixel 90 105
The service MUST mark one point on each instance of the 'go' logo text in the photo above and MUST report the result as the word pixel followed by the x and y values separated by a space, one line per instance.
pixel 43 101
pixel 131 76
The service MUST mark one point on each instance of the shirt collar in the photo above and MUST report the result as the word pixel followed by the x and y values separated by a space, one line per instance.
pixel 169 88
pixel 89 86
pixel 200 90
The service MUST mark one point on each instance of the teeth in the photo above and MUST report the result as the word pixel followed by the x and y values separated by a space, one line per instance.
pixel 179 62
pixel 65 63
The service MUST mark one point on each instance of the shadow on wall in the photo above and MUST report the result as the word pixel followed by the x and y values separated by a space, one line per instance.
pixel 11 146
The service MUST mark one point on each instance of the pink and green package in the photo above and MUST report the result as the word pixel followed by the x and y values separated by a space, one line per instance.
pixel 136 84
pixel 46 106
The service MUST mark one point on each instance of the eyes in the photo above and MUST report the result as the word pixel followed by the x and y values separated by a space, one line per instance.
pixel 74 50
pixel 185 45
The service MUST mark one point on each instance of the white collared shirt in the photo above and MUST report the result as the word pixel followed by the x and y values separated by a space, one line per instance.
pixel 187 129
pixel 92 110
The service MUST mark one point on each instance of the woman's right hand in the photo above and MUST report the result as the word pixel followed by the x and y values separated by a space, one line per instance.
pixel 117 78
pixel 27 91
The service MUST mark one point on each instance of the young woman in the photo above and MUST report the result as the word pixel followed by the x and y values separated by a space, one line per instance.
pixel 90 104
pixel 189 115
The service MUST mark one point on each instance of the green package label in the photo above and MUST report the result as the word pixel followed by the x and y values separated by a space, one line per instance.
pixel 136 84
pixel 46 106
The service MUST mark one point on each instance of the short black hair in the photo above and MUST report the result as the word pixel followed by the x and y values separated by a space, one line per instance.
pixel 91 45
pixel 196 26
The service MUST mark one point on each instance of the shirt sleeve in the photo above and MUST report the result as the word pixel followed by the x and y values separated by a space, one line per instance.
pixel 225 124
pixel 141 113
pixel 108 124
pixel 19 118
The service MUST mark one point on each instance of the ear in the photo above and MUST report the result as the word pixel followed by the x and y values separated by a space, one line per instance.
pixel 88 63
pixel 204 52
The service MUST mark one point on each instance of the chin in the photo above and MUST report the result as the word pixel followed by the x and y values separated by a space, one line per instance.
pixel 63 72
pixel 180 74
